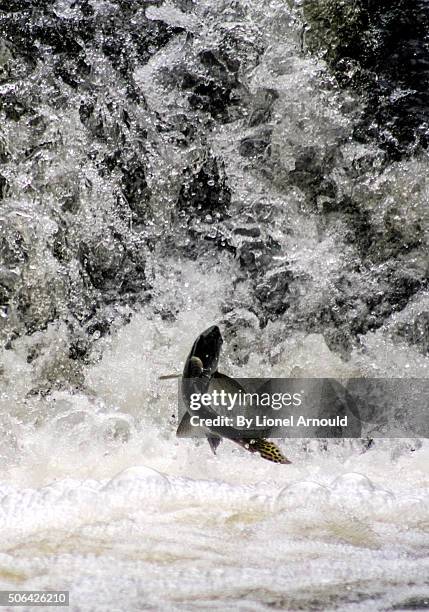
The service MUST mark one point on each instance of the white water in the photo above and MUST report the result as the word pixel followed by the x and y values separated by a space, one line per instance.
pixel 97 496
pixel 160 523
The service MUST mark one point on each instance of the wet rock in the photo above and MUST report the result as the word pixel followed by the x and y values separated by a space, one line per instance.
pixel 380 49
pixel 262 103
pixel 257 144
pixel 357 219
pixel 12 106
pixel 134 186
pixel 249 232
pixel 255 256
pixel 208 96
pixel 415 333
pixel 14 248
pixel 214 93
pixel 310 175
pixel 205 192
pixel 3 186
pixel 73 73
pixel 273 291
pixel 102 262
pixel 361 303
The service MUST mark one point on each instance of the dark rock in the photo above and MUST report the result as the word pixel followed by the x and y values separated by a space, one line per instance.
pixel 310 175
pixel 381 50
pixel 357 220
pixel 249 232
pixel 3 186
pixel 257 144
pixel 415 333
pixel 205 192
pixel 255 255
pixel 13 248
pixel 262 103
pixel 102 262
pixel 273 291
pixel 12 106
pixel 363 302
pixel 134 186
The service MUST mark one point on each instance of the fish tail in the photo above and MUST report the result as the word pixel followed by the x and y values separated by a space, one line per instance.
pixel 267 450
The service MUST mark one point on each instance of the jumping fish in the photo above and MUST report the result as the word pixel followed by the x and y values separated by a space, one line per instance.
pixel 201 375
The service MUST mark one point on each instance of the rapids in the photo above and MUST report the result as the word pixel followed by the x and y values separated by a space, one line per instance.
pixel 166 166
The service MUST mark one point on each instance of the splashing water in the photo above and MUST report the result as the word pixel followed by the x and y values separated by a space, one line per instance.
pixel 115 259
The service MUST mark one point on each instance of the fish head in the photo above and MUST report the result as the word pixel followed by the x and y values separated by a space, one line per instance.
pixel 206 348
pixel 201 363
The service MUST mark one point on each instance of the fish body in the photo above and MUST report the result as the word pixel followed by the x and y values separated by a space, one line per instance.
pixel 200 375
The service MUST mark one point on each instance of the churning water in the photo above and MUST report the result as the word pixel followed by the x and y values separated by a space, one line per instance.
pixel 167 166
